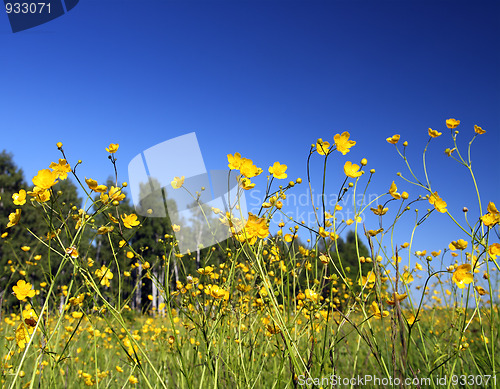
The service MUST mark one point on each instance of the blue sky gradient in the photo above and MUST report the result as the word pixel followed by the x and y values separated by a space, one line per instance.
pixel 266 79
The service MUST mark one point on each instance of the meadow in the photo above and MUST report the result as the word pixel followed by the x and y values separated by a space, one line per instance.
pixel 96 295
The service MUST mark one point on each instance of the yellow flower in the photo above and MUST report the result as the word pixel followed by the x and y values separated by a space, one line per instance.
pixel 59 145
pixel 434 133
pixel 41 195
pixel 462 275
pixel 61 169
pixel 114 194
pixel 452 123
pixel 217 292
pixel 130 221
pixel 368 280
pixel 438 202
pixel 254 228
pixel 479 130
pixel 104 274
pixel 103 230
pixel 113 148
pixel 481 290
pixel 23 335
pixel 177 182
pixel 23 290
pixel 234 161
pixel 311 295
pixel 133 380
pixel 396 296
pixel 449 151
pixel 14 218
pixel 176 227
pixel 351 170
pixel 380 210
pixel 494 250
pixel 45 179
pixel 72 251
pixel 77 315
pixel 94 186
pixel 119 369
pixel 206 270
pixel 343 143
pixel 458 245
pixel 248 169
pixel 393 191
pixel 393 139
pixel 322 147
pixel 376 311
pixel 492 217
pixel 25 248
pixel 19 198
pixel 406 277
pixel 245 183
pixel 278 171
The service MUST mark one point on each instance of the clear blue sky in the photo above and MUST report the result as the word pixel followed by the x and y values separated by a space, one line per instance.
pixel 266 79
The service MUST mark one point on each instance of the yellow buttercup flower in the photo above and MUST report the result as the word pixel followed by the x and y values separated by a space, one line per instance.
pixel 396 296
pixel 393 191
pixel 72 252
pixel 255 227
pixel 92 184
pixel 105 275
pixel 494 250
pixel 23 335
pixel 352 170
pixel 452 123
pixel 45 179
pixel 462 275
pixel 133 380
pixel 322 147
pixel 14 218
pixel 393 139
pixel 177 182
pixel 311 295
pixel 481 290
pixel 438 202
pixel 205 271
pixel 19 198
pixel 235 161
pixel 130 221
pixel 61 169
pixel 114 194
pixel 380 210
pixel 113 148
pixel 376 311
pixel 479 130
pixel 458 245
pixel 278 171
pixel 434 133
pixel 245 183
pixel 343 143
pixel 492 217
pixel 217 292
pixel 23 289
pixel 449 151
pixel 248 169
